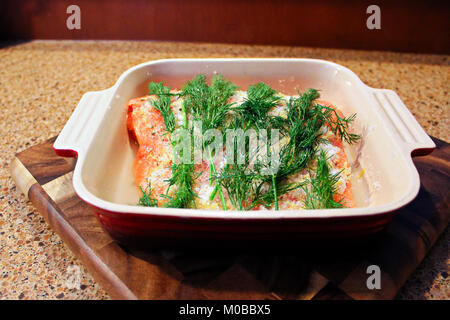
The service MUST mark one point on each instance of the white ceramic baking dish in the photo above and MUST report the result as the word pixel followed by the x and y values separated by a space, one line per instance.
pixel 384 177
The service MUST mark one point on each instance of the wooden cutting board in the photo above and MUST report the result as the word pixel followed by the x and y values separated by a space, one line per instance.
pixel 326 271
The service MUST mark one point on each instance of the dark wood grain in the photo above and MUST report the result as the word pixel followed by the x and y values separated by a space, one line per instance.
pixel 61 225
pixel 130 273
pixel 48 167
pixel 331 292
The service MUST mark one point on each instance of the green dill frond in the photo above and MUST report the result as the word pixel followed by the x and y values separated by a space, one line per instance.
pixel 278 189
pixel 239 184
pixel 260 100
pixel 162 103
pixel 183 177
pixel 146 199
pixel 303 128
pixel 209 103
pixel 245 185
pixel 300 108
pixel 319 195
pixel 339 125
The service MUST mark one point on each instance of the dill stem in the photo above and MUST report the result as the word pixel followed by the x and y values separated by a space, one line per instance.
pixel 275 192
pixel 217 187
pixel 213 194
pixel 211 173
pixel 185 123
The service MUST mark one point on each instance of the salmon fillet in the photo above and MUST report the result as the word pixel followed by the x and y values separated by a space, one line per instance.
pixel 153 161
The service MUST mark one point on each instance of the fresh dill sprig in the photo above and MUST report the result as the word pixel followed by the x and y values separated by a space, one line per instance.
pixel 146 200
pixel 182 176
pixel 302 108
pixel 303 128
pixel 303 131
pixel 210 105
pixel 320 193
pixel 275 195
pixel 247 187
pixel 339 125
pixel 237 184
pixel 162 103
pixel 254 110
pixel 276 191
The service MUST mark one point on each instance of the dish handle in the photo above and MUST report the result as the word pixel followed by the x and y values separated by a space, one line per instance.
pixel 404 128
pixel 83 123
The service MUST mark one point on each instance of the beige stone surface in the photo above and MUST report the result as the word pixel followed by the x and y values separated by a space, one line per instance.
pixel 42 81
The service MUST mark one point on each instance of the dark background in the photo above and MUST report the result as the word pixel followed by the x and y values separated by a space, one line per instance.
pixel 408 26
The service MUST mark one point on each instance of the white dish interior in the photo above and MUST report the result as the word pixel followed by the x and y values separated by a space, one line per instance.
pixel 384 177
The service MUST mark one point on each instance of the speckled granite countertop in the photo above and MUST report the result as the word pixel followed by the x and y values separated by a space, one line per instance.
pixel 42 81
